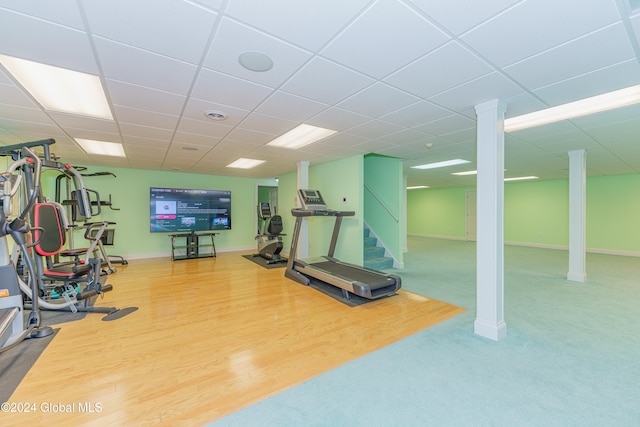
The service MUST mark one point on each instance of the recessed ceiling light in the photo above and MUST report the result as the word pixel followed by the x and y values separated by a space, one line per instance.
pixel 416 187
pixel 255 61
pixel 300 136
pixel 442 164
pixel 215 115
pixel 59 89
pixel 101 148
pixel 465 173
pixel 243 163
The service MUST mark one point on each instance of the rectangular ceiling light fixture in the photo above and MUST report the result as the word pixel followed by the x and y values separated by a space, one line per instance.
pixel 442 164
pixel 521 178
pixel 243 163
pixel 465 173
pixel 595 104
pixel 101 148
pixel 417 187
pixel 300 136
pixel 59 89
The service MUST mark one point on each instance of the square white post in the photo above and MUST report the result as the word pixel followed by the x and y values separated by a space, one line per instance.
pixel 490 221
pixel 577 216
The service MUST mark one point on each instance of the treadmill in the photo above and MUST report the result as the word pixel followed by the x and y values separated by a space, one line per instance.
pixel 351 279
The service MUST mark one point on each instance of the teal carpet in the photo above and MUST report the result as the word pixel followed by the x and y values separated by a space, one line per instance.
pixel 571 357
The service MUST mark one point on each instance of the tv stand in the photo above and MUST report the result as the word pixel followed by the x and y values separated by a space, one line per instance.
pixel 193 247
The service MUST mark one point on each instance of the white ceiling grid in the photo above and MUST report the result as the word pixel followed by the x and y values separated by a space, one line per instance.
pixel 389 75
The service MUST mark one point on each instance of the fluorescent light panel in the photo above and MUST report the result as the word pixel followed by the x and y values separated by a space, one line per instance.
pixel 465 173
pixel 417 187
pixel 300 136
pixel 595 104
pixel 243 163
pixel 441 164
pixel 521 178
pixel 101 148
pixel 59 89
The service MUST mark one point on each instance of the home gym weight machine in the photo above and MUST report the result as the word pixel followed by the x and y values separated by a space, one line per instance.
pixel 105 231
pixel 48 228
pixel 12 327
pixel 270 237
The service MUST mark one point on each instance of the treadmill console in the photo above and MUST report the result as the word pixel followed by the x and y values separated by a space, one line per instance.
pixel 312 200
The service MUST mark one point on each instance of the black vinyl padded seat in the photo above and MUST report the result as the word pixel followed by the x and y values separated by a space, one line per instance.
pixel 50 237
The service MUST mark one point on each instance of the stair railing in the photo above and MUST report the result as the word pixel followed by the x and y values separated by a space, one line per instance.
pixel 382 203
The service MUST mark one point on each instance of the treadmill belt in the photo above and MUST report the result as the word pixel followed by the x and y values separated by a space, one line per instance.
pixel 373 279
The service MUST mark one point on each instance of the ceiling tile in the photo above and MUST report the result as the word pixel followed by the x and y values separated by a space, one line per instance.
pixel 44 42
pixel 445 68
pixel 233 39
pixel 290 107
pixel 324 81
pixel 532 27
pixel 132 65
pixel 376 45
pixel 222 89
pixel 486 88
pixel 307 24
pixel 459 16
pixel 376 100
pixel 582 86
pixel 152 25
pixel 144 98
pixel 574 58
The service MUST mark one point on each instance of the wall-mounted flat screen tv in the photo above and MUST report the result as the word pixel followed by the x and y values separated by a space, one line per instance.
pixel 185 210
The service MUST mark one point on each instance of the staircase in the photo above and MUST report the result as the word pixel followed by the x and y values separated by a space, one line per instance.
pixel 374 255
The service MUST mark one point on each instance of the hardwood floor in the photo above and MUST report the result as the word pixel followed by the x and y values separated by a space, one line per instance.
pixel 211 336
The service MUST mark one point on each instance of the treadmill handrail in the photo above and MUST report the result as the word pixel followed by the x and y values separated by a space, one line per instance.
pixel 315 212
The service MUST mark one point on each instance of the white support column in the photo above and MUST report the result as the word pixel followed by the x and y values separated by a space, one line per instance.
pixel 303 183
pixel 577 216
pixel 490 221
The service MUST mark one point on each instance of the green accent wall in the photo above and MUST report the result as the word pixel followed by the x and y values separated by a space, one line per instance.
pixel 338 180
pixel 437 211
pixel 537 213
pixel 613 212
pixel 383 177
pixel 335 181
pixel 129 192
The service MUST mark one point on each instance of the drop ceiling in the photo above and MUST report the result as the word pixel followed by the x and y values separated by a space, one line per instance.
pixel 391 76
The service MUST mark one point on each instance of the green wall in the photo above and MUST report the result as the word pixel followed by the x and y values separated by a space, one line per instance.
pixel 437 212
pixel 537 213
pixel 130 193
pixel 335 180
pixel 338 180
pixel 383 175
pixel 613 212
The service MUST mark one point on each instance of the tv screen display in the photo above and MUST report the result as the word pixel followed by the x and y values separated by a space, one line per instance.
pixel 185 210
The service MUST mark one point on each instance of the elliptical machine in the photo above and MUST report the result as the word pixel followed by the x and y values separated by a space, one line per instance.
pixel 270 237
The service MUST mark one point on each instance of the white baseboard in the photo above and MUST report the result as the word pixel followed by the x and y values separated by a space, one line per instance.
pixel 168 254
pixel 539 245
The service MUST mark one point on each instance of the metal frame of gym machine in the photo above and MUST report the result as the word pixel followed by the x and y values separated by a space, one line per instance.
pixel 351 279
pixel 12 327
pixel 80 301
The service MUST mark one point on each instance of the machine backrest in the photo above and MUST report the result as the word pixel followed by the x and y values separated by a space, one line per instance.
pixel 48 217
pixel 275 225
